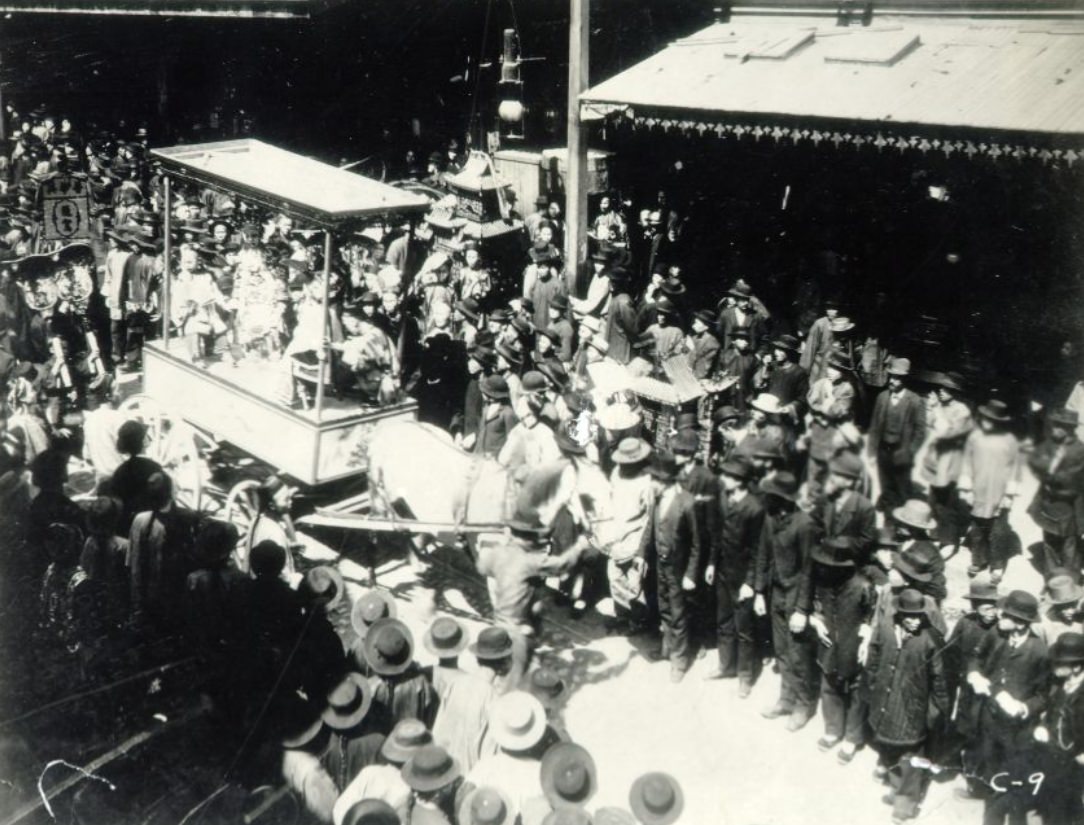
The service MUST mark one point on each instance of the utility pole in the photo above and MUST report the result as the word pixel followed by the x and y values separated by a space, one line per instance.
pixel 576 175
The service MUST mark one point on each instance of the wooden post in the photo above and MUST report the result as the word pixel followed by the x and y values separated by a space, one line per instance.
pixel 167 252
pixel 322 353
pixel 576 176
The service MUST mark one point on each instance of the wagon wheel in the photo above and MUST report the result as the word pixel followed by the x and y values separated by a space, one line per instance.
pixel 239 510
pixel 177 446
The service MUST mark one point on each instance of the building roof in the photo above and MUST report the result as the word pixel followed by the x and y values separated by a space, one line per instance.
pixel 282 180
pixel 256 9
pixel 1014 76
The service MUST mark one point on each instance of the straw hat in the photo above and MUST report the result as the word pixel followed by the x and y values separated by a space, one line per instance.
pixel 569 776
pixel 486 805
pixel 389 647
pixel 372 606
pixel 445 637
pixel 517 721
pixel 348 702
pixel 656 799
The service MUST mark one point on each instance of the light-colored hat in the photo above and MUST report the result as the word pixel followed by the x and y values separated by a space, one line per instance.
pixel 618 417
pixel 767 404
pixel 517 721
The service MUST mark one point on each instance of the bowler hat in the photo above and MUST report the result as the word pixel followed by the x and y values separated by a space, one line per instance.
pixel 493 643
pixel 407 738
pixel 656 799
pixel 547 686
pixel 1068 649
pixel 602 255
pixel 569 776
pixel 834 552
pixel 1063 590
pixel 348 702
pixel 706 317
pixel 787 342
pixel 724 414
pixel 631 451
pixel 664 306
pixel 445 637
pixel 501 315
pixel 982 590
pixel 517 721
pixel 372 606
pixel 522 326
pixel 918 561
pixel 995 410
pixel 494 388
pixel 664 466
pixel 673 287
pixel 527 522
pixel 540 254
pixel 685 442
pixel 533 381
pixel 899 367
pixel 1064 418
pixel 371 812
pixel 559 302
pixel 847 465
pixel 1021 605
pixel 430 768
pixel 486 805
pixel 389 647
pixel 915 513
pixel 781 485
pixel 910 602
pixel 736 468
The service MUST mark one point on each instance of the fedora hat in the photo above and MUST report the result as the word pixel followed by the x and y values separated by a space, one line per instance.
pixel 656 799
pixel 834 552
pixel 445 637
pixel 1063 590
pixel 664 466
pixel 1020 604
pixel 899 367
pixel 371 812
pixel 493 643
pixel 841 323
pixel 631 451
pixel 706 317
pixel 372 606
pixel 502 315
pixel 486 805
pixel 348 702
pixel 1068 649
pixel 946 380
pixel 430 768
pixel 781 485
pixel 512 356
pixel 910 602
pixel 982 589
pixel 324 585
pixel 766 403
pixel 915 513
pixel 736 468
pixel 547 686
pixel 847 465
pixel 917 562
pixel 995 410
pixel 517 721
pixel 569 776
pixel 614 816
pixel 494 388
pixel 389 647
pixel 559 302
pixel 406 739
pixel 1064 418
pixel 740 290
pixel 617 417
pixel 787 342
pixel 527 522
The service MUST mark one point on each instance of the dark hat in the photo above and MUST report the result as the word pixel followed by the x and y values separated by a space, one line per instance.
pixel 559 302
pixel 492 643
pixel 787 342
pixel 946 380
pixel 445 637
pixel 569 776
pixel 1068 649
pixel 725 413
pixel 430 768
pixel 910 602
pixel 706 317
pixel 982 589
pixel 759 447
pixel 847 465
pixel 1064 418
pixel 501 315
pixel 656 799
pixel 840 362
pixel 495 388
pixel 407 738
pixel 664 466
pixel 567 443
pixel 782 485
pixel 389 647
pixel 527 522
pixel 546 254
pixel 685 442
pixel 323 584
pixel 533 381
pixel 673 287
pixel 267 558
pixel 602 254
pixel 1021 605
pixel 995 410
pixel 522 326
pixel 886 537
pixel 512 356
pixel 918 561
pixel 547 686
pixel 131 435
pixel 740 334
pixel 1063 590
pixel 620 276
pixel 302 722
pixel 369 608
pixel 631 451
pixel 348 702
pixel 371 812
pixel 834 552
pixel 486 805
pixel 555 374
pixel 369 298
pixel 576 401
pixel 915 513
pixel 736 468
pixel 664 306
pixel 740 290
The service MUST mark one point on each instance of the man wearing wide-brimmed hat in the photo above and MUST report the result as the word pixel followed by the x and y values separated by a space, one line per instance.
pixel 703 345
pixel 1064 614
pixel 741 315
pixel 1058 506
pixel 383 780
pixel 896 431
pixel 989 481
pixel 845 513
pixel 400 687
pixel 498 418
pixel 669 339
pixel 787 381
pixel 783 588
pixel 622 536
pixel 831 403
pixel 948 424
pixel 433 776
pixel 561 328
pixel 621 329
pixel 1061 735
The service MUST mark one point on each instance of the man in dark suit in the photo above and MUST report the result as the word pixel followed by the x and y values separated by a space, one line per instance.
pixel 847 514
pixel 672 542
pixel 1058 507
pixel 732 571
pixel 498 419
pixel 705 346
pixel 896 431
pixel 621 328
pixel 788 381
pixel 736 361
pixel 742 314
pixel 1062 734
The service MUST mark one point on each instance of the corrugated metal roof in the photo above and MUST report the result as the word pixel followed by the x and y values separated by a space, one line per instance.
pixel 257 9
pixel 1015 76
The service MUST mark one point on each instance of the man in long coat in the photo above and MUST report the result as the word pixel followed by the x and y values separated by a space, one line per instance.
pixel 948 423
pixel 1058 507
pixel 704 352
pixel 620 329
pixel 896 432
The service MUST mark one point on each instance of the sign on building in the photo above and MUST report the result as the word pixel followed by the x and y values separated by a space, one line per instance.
pixel 66 201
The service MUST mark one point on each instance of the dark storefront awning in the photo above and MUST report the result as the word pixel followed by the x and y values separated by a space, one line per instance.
pixel 256 9
pixel 995 82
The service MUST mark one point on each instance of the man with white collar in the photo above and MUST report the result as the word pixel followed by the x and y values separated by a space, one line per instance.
pixel 1062 734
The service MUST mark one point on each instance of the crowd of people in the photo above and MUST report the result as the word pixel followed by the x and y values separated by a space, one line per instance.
pixel 800 511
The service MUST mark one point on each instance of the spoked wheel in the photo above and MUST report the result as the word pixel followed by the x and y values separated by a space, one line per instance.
pixel 240 509
pixel 177 446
